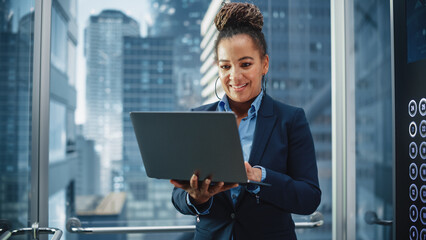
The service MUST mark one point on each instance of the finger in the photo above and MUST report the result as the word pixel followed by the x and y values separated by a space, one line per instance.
pixel 215 188
pixel 194 182
pixel 205 185
pixel 180 184
pixel 248 168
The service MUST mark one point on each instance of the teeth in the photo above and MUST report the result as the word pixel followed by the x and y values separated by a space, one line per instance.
pixel 240 86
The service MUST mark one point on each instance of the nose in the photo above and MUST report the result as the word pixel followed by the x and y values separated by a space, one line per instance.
pixel 235 74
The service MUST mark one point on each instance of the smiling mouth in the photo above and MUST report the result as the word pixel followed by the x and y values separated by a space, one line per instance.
pixel 239 86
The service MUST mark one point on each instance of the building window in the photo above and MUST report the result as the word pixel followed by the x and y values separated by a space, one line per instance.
pixel 59 41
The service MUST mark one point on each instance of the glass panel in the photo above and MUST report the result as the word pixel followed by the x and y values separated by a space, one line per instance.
pixel 122 57
pixel 16 80
pixel 373 93
pixel 298 37
pixel 64 167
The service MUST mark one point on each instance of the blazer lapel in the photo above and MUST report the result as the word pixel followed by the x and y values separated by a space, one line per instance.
pixel 264 126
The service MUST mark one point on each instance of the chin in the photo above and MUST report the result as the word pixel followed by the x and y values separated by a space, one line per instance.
pixel 240 99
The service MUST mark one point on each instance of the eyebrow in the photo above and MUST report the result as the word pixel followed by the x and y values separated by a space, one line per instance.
pixel 243 58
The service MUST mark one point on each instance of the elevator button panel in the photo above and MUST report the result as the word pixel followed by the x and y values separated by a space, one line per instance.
pixel 416 136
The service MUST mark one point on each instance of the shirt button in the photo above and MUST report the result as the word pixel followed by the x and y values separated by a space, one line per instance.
pixel 234 196
pixel 232 215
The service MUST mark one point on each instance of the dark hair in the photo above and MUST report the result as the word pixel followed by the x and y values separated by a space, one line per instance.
pixel 240 18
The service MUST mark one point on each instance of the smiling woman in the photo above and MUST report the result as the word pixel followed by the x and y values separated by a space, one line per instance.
pixel 276 141
pixel 241 67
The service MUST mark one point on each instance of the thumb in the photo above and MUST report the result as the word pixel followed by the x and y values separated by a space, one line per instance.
pixel 248 167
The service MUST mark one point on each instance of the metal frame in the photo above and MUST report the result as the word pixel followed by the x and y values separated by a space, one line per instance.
pixel 343 124
pixel 391 2
pixel 39 200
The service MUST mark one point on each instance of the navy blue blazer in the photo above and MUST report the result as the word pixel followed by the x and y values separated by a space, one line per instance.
pixel 283 145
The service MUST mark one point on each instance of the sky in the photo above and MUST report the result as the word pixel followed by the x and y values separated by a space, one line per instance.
pixel 137 9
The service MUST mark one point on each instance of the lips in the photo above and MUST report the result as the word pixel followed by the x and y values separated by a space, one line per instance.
pixel 238 87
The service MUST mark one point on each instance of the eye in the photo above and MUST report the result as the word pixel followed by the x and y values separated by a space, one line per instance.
pixel 226 67
pixel 246 64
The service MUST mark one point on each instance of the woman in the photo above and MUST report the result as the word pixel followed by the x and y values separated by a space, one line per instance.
pixel 276 140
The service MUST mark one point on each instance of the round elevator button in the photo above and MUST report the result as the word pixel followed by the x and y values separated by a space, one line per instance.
pixel 423 150
pixel 413 129
pixel 413 171
pixel 414 213
pixel 422 128
pixel 413 192
pixel 422 107
pixel 414 234
pixel 423 215
pixel 413 150
pixel 423 172
pixel 423 193
pixel 423 234
pixel 412 108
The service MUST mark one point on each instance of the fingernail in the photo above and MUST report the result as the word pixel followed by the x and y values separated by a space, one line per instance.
pixel 208 181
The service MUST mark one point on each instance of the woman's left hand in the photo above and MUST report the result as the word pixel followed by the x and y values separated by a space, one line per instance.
pixel 254 174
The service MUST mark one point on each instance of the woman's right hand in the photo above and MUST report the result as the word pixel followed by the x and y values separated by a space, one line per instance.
pixel 202 193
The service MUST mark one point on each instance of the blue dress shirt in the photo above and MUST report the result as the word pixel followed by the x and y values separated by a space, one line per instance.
pixel 246 130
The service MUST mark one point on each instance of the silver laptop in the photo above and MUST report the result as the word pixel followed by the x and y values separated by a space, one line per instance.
pixel 174 145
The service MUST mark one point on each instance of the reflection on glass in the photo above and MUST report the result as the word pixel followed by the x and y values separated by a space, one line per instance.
pixel 373 95
pixel 63 162
pixel 16 56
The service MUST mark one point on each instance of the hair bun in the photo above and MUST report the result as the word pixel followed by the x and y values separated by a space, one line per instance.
pixel 239 15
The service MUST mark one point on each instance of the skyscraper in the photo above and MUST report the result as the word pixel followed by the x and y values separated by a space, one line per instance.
pixel 103 51
pixel 16 51
pixel 148 85
pixel 181 19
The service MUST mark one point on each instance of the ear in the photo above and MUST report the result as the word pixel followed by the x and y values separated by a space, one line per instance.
pixel 265 64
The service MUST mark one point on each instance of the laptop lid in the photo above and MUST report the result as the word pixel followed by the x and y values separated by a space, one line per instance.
pixel 174 145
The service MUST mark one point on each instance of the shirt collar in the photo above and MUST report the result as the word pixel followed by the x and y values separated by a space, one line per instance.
pixel 223 105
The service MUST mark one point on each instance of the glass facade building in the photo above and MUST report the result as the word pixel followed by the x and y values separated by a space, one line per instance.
pixel 16 51
pixel 181 20
pixel 104 50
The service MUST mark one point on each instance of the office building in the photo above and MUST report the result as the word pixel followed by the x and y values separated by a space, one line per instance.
pixel 15 109
pixel 147 86
pixel 103 50
pixel 88 176
pixel 181 20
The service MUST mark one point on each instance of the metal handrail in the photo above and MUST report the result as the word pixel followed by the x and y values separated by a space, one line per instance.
pixel 57 233
pixel 316 219
pixel 370 217
pixel 5 235
pixel 74 226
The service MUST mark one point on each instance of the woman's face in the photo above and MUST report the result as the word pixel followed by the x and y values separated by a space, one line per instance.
pixel 241 67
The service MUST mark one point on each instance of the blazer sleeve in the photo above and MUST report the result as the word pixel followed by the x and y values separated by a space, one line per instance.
pixel 179 201
pixel 297 190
